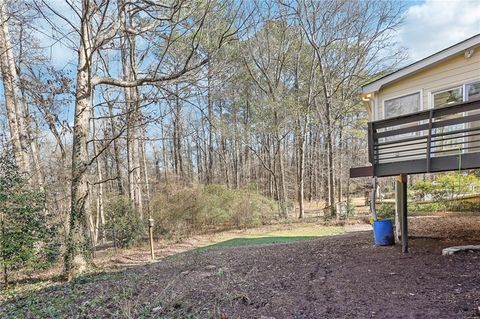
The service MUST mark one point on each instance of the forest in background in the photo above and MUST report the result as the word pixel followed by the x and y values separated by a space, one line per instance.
pixel 256 102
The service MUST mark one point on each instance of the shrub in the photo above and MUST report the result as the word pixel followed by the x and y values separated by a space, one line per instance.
pixel 460 205
pixel 185 210
pixel 26 236
pixel 465 206
pixel 446 186
pixel 443 192
pixel 386 210
pixel 350 209
pixel 426 207
pixel 122 222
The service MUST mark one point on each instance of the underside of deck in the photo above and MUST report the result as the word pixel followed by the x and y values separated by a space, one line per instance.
pixel 419 166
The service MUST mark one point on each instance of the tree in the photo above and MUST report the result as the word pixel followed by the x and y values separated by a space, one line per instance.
pixel 14 101
pixel 348 39
pixel 179 23
pixel 172 87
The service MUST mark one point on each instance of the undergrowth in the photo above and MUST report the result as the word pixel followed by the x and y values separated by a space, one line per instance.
pixel 181 211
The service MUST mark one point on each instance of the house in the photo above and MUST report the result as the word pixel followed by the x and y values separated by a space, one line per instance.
pixel 425 118
pixel 451 75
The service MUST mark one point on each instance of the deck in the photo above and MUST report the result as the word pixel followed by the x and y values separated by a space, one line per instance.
pixel 434 140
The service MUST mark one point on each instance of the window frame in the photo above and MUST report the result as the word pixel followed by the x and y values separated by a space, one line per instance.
pixel 419 92
pixel 466 86
pixel 432 105
pixel 445 89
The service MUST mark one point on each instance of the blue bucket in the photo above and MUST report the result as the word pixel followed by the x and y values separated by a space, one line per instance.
pixel 383 232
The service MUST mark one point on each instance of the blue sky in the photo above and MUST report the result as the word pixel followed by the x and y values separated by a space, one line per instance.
pixel 429 26
pixel 432 25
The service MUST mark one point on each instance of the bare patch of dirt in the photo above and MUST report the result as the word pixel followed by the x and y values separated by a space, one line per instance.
pixel 343 276
pixel 338 277
pixel 446 225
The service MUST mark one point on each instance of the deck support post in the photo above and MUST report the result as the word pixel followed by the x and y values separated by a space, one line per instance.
pixel 398 210
pixel 402 205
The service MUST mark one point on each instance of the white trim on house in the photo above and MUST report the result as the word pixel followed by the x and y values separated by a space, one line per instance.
pixel 464 91
pixel 430 61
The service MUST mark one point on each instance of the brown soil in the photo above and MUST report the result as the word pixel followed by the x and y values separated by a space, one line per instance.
pixel 338 277
pixel 343 276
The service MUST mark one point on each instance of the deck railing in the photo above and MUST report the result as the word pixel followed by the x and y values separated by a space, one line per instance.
pixel 433 140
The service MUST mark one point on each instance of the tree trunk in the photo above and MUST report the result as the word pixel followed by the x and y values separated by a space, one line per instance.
pixel 132 102
pixel 177 136
pixel 78 246
pixel 14 103
pixel 210 126
pixel 100 220
pixel 340 164
pixel 283 190
pixel 145 175
pixel 116 151
pixel 301 172
pixel 331 175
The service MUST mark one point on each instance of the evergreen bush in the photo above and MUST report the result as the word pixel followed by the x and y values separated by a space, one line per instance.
pixel 27 236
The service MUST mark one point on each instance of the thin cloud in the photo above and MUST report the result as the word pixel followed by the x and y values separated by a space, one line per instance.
pixel 437 24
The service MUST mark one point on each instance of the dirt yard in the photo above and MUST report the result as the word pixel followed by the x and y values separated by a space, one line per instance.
pixel 343 276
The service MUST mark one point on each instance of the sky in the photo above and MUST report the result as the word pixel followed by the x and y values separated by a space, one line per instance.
pixel 433 25
pixel 429 26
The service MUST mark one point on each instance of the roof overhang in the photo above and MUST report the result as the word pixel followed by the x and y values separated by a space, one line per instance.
pixel 459 48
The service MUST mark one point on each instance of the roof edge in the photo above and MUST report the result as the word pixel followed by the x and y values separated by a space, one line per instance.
pixel 440 56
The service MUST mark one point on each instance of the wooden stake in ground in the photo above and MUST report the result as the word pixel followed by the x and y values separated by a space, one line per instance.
pixel 150 231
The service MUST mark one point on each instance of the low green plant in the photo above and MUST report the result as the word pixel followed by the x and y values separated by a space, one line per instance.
pixel 416 207
pixel 460 205
pixel 386 210
pixel 123 224
pixel 27 238
pixel 350 209
pixel 465 206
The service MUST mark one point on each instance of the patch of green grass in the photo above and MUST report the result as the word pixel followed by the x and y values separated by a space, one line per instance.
pixel 310 231
pixel 235 242
pixel 276 237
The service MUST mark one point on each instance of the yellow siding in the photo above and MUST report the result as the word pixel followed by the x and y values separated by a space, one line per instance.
pixel 452 72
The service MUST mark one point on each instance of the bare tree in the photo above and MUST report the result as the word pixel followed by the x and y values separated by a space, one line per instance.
pixel 99 24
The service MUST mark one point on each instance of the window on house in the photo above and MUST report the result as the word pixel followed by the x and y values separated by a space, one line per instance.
pixel 473 91
pixel 402 105
pixel 448 142
pixel 447 97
